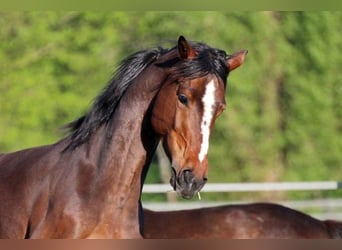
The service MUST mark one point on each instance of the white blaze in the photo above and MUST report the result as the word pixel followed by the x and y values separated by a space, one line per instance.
pixel 208 100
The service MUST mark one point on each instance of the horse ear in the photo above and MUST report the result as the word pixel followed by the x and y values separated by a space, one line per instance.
pixel 236 59
pixel 185 51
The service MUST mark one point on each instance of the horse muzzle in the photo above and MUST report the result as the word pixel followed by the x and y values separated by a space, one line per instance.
pixel 185 183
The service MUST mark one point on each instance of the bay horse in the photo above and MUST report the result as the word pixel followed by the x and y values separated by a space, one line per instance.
pixel 88 184
pixel 245 221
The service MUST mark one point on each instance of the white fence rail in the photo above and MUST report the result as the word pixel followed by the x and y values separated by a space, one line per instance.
pixel 252 186
pixel 320 208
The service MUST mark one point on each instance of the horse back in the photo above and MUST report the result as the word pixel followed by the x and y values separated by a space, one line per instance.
pixel 334 228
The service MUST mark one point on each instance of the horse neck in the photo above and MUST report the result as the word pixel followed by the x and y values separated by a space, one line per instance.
pixel 123 160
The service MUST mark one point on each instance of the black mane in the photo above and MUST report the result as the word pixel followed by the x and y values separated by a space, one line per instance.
pixel 207 61
pixel 105 104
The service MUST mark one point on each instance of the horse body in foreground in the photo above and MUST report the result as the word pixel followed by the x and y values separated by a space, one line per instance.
pixel 88 185
pixel 247 221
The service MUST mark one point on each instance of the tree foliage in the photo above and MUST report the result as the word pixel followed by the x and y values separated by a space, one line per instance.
pixel 284 115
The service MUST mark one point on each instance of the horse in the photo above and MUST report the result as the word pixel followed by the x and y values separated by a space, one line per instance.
pixel 88 184
pixel 245 221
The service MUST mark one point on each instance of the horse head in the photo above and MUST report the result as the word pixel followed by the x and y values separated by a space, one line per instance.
pixel 186 108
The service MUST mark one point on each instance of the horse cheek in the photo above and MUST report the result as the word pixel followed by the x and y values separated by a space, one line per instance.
pixel 163 114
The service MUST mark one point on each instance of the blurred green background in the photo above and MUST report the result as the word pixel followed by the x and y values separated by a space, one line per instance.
pixel 284 115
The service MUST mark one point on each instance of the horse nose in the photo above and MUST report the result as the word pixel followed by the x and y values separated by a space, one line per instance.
pixel 188 185
pixel 186 176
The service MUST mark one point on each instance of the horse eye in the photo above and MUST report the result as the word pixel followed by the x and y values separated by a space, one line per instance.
pixel 183 99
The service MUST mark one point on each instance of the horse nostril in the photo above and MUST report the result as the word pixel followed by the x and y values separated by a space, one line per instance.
pixel 188 176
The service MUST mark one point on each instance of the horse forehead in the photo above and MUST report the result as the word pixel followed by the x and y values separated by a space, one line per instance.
pixel 211 91
pixel 202 85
